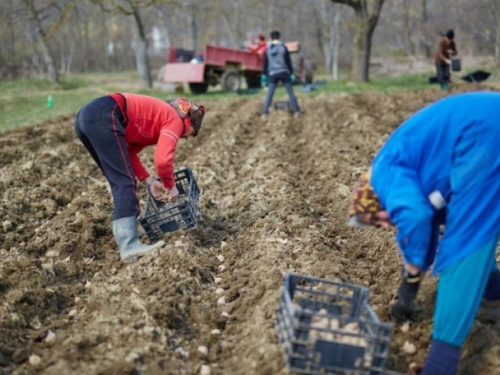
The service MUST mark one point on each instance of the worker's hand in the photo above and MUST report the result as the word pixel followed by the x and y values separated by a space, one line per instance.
pixel 173 194
pixel 412 269
pixel 402 313
pixel 263 80
pixel 292 78
pixel 379 219
pixel 155 187
pixel 448 62
pixel 415 369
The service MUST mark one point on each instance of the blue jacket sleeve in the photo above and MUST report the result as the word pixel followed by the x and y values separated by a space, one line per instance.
pixel 411 212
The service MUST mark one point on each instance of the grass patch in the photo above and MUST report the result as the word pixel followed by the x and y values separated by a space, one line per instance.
pixel 24 102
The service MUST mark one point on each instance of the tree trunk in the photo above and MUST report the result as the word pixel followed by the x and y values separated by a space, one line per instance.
pixel 12 50
pixel 425 40
pixel 231 17
pixel 141 51
pixel 71 53
pixel 327 19
pixel 324 33
pixel 495 12
pixel 32 47
pixel 407 26
pixel 229 30
pixel 270 14
pixel 192 28
pixel 165 26
pixel 367 14
pixel 86 45
pixel 497 43
pixel 361 50
pixel 61 54
pixel 38 37
pixel 336 43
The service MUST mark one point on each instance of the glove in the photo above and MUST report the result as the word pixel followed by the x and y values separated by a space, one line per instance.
pixel 173 194
pixel 403 309
pixel 292 78
pixel 263 80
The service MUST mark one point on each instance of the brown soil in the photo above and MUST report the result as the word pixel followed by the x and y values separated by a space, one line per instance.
pixel 274 200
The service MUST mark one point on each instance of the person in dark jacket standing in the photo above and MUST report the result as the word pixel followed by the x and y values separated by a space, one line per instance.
pixel 446 49
pixel 278 67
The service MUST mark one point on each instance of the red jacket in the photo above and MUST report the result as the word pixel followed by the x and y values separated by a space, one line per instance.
pixel 259 48
pixel 151 121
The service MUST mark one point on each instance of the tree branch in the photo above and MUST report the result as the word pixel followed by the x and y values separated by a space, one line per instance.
pixel 352 3
pixel 57 23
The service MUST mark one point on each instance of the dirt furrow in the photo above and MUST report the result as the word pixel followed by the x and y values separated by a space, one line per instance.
pixel 274 200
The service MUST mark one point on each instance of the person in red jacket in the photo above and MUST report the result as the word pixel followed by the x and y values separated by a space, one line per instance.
pixel 115 129
pixel 260 46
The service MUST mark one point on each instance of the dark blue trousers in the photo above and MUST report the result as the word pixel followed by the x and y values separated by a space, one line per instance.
pixel 443 73
pixel 99 126
pixel 271 87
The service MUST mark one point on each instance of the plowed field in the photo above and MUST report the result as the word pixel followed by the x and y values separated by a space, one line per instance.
pixel 274 200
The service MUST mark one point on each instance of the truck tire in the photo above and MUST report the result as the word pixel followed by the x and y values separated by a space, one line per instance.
pixel 230 80
pixel 198 88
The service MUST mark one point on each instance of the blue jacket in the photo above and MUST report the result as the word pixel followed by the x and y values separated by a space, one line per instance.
pixel 277 59
pixel 450 149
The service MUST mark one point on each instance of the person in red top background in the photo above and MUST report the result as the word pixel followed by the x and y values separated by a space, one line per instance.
pixel 115 129
pixel 260 47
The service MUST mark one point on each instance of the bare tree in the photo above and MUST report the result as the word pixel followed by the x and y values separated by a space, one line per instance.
pixel 141 47
pixel 192 25
pixel 132 8
pixel 11 27
pixel 407 23
pixel 40 36
pixel 86 38
pixel 231 16
pixel 271 13
pixel 329 34
pixel 367 13
pixel 495 13
pixel 424 33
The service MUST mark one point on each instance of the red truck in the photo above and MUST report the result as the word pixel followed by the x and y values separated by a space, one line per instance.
pixel 225 66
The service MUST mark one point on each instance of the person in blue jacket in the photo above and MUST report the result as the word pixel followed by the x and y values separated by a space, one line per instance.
pixel 442 166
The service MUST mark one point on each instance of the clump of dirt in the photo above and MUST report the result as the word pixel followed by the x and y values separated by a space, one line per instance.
pixel 274 200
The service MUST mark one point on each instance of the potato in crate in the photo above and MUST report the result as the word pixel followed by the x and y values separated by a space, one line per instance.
pixel 160 217
pixel 328 327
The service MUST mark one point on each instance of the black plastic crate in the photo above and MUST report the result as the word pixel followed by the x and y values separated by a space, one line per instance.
pixel 160 217
pixel 283 105
pixel 327 327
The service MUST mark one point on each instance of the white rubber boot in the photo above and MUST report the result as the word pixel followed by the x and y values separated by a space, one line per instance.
pixel 127 238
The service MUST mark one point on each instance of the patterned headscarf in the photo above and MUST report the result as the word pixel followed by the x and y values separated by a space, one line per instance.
pixel 363 198
pixel 185 108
